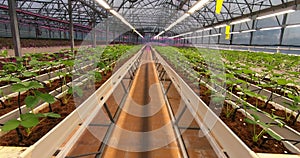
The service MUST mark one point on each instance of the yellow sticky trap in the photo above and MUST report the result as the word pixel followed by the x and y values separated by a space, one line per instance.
pixel 227 36
pixel 227 32
pixel 219 6
pixel 227 29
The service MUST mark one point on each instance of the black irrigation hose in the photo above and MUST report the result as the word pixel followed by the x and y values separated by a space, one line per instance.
pixel 234 113
pixel 60 100
pixel 295 120
pixel 285 140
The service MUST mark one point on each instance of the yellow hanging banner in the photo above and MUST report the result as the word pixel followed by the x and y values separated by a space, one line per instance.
pixel 227 32
pixel 219 6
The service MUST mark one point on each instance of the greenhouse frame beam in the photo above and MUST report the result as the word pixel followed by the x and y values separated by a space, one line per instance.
pixel 182 4
pixel 288 5
pixel 15 27
pixel 93 8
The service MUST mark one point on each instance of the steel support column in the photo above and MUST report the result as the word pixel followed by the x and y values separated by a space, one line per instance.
pixel 107 30
pixel 283 28
pixel 14 27
pixel 71 26
pixel 231 36
pixel 251 33
pixel 94 28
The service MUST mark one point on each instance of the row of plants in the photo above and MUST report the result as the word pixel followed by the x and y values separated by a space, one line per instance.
pixel 26 128
pixel 7 43
pixel 278 82
pixel 276 72
pixel 191 65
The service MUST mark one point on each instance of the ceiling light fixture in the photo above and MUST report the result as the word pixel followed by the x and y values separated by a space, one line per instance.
pixel 220 25
pixel 159 34
pixel 270 28
pixel 202 36
pixel 247 31
pixel 240 21
pixel 197 6
pixel 207 29
pixel 181 34
pixel 275 13
pixel 104 4
pixel 293 26
pixel 213 35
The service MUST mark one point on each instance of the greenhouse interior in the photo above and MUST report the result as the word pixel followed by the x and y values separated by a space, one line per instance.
pixel 150 78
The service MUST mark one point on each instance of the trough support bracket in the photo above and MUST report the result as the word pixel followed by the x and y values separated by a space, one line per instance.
pixel 161 75
pixel 122 83
pixel 168 88
pixel 180 115
pixel 108 113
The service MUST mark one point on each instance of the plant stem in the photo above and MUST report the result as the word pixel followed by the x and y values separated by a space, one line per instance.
pixel 3 104
pixel 19 102
pixel 20 136
pixel 50 108
pixel 295 120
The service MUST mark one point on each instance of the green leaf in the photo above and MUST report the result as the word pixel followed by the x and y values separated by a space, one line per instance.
pixel 10 78
pixel 53 115
pixel 29 120
pixel 31 101
pixel 61 74
pixel 18 87
pixel 4 53
pixel 10 67
pixel 291 95
pixel 294 107
pixel 10 125
pixel 98 76
pixel 282 81
pixel 218 99
pixel 273 135
pixel 24 86
pixel 33 62
pixel 77 90
pixel 247 120
pixel 29 74
pixel 256 117
pixel 101 65
pixel 35 85
pixel 247 71
pixel 263 125
pixel 249 93
pixel 296 99
pixel 69 63
pixel 45 97
pixel 14 79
